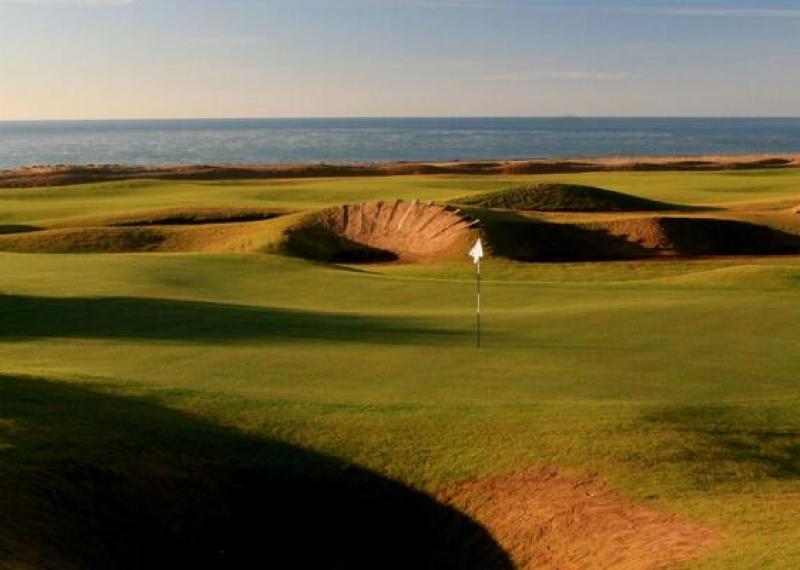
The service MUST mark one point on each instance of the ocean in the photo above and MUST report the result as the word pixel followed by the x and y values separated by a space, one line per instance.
pixel 333 141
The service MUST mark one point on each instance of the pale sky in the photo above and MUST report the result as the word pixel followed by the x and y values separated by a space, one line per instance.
pixel 83 59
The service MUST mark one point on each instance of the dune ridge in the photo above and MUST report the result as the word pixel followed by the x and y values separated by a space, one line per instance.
pixel 65 174
pixel 550 197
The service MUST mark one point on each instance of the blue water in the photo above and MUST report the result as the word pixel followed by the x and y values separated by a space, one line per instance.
pixel 356 140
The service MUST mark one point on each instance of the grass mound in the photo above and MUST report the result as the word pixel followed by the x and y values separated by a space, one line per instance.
pixel 517 237
pixel 231 237
pixel 185 217
pixel 84 240
pixel 565 198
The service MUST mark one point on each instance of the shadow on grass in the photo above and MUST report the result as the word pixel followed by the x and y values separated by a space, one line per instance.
pixel 93 480
pixel 17 229
pixel 726 442
pixel 699 236
pixel 524 239
pixel 24 317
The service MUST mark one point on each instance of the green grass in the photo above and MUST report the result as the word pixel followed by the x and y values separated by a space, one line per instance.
pixel 676 381
pixel 564 198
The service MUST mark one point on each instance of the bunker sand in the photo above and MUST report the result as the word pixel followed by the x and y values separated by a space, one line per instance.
pixel 383 231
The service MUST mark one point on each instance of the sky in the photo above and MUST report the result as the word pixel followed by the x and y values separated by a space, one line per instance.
pixel 94 59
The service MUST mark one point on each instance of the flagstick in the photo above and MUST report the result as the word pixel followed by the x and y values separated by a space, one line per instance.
pixel 476 253
pixel 478 308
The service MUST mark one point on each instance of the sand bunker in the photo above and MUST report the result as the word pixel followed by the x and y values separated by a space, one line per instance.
pixel 566 198
pixel 382 231
pixel 546 521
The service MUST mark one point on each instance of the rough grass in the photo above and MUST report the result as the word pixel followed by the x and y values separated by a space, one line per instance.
pixel 565 198
pixel 545 520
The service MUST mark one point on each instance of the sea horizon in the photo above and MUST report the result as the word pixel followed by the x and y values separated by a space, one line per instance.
pixel 398 117
pixel 342 140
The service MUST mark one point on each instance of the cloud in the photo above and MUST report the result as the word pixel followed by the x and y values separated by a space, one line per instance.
pixel 411 3
pixel 436 3
pixel 69 2
pixel 716 12
pixel 565 74
pixel 590 75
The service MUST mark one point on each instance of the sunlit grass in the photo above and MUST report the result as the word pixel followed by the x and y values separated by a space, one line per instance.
pixel 676 381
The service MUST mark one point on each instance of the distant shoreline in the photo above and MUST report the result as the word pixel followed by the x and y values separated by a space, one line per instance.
pixel 405 118
pixel 59 175
pixel 368 142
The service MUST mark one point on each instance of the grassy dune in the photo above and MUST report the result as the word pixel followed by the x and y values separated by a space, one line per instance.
pixel 674 381
pixel 565 198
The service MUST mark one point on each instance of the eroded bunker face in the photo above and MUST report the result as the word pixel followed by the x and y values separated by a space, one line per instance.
pixel 381 231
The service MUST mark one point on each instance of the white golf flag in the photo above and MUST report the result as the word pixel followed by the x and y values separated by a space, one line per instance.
pixel 476 253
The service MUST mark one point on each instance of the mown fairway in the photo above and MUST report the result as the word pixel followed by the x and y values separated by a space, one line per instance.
pixel 675 381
